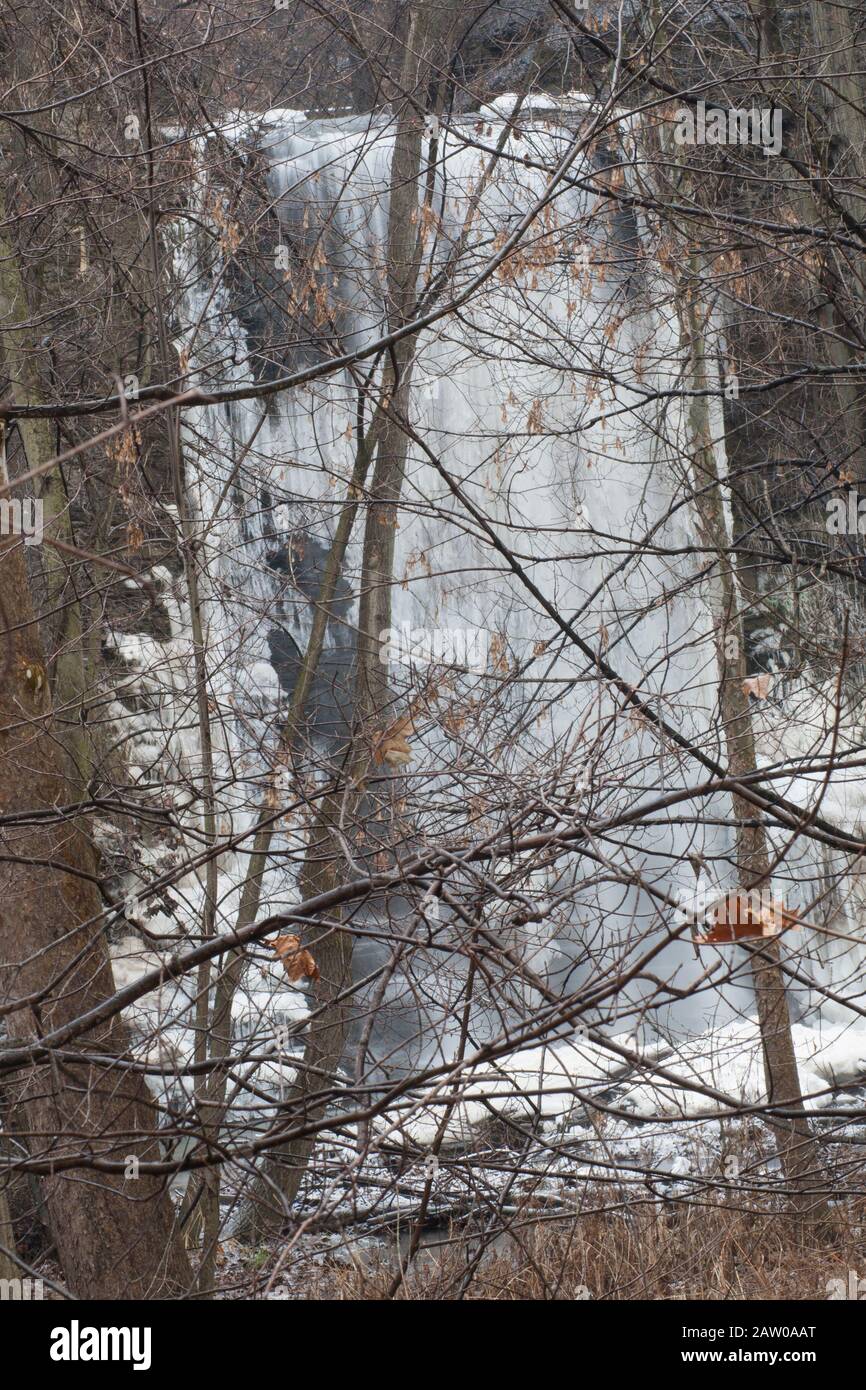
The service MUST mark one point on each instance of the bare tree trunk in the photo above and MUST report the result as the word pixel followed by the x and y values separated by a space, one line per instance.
pixel 61 601
pixel 114 1234
pixel 8 1267
pixel 213 1103
pixel 797 1147
pixel 332 948
pixel 844 94
pixel 840 99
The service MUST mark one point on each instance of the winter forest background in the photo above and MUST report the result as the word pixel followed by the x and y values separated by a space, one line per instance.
pixel 432 645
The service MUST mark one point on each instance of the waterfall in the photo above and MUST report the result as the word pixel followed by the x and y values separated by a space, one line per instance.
pixel 550 402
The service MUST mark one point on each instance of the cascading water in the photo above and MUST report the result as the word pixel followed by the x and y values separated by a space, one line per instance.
pixel 543 402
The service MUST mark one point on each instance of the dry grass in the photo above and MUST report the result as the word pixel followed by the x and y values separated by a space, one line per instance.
pixel 679 1251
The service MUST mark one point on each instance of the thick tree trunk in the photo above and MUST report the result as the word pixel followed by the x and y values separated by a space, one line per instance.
pixel 8 1267
pixel 62 629
pixel 114 1234
pixel 837 92
pixel 844 106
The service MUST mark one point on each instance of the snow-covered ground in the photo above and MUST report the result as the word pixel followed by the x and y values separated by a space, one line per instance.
pixel 714 1073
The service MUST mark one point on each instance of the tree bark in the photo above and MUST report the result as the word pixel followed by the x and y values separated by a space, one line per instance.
pixel 62 606
pixel 115 1236
pixel 8 1267
pixel 796 1143
pixel 425 44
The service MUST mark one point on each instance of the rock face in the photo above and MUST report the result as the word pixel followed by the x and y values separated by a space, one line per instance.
pixel 498 48
pixel 329 711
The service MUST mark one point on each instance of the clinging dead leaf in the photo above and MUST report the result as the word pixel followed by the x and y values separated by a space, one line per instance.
pixel 297 961
pixel 740 915
pixel 392 747
pixel 759 686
